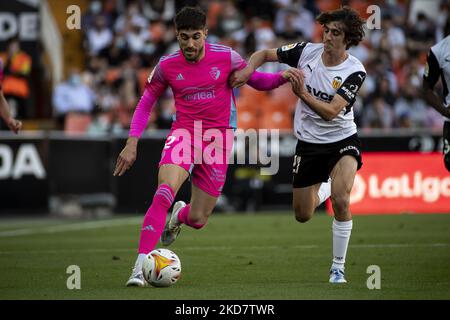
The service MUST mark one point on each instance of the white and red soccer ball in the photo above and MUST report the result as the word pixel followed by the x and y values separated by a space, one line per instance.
pixel 161 268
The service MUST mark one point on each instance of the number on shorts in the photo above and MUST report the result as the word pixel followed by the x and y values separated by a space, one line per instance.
pixel 169 141
pixel 296 164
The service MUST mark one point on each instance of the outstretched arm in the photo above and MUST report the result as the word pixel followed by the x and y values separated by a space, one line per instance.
pixel 257 59
pixel 266 81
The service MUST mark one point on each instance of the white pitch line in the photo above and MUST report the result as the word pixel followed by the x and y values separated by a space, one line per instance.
pixel 71 227
pixel 399 245
pixel 224 248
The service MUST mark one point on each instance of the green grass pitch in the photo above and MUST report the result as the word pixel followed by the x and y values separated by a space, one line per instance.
pixel 265 256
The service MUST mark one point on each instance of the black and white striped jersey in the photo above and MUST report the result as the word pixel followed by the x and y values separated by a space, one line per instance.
pixel 323 83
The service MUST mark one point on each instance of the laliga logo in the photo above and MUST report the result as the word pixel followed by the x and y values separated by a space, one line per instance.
pixel 429 189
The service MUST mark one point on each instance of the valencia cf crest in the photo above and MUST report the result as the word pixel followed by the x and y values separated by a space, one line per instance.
pixel 215 73
pixel 336 82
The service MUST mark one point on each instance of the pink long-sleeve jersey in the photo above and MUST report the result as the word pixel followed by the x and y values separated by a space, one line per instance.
pixel 200 89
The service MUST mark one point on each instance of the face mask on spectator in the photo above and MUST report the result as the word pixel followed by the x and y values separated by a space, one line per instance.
pixel 96 7
pixel 75 80
pixel 120 43
pixel 421 26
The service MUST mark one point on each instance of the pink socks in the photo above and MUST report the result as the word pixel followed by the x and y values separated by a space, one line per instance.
pixel 155 218
pixel 183 216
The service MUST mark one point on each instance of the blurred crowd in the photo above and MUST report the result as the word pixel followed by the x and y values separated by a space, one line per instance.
pixel 123 41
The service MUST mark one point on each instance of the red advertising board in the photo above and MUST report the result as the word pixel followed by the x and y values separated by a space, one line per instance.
pixel 400 183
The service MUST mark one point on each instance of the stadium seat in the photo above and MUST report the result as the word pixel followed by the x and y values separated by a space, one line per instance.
pixel 248 114
pixel 253 96
pixel 247 120
pixel 77 123
pixel 276 118
pixel 284 96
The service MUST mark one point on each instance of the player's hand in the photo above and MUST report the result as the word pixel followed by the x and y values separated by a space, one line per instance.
pixel 293 75
pixel 240 77
pixel 126 158
pixel 14 124
pixel 296 78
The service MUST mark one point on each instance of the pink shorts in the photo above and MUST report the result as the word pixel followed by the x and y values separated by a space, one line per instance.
pixel 204 156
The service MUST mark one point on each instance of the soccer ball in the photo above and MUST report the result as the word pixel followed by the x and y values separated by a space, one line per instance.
pixel 161 268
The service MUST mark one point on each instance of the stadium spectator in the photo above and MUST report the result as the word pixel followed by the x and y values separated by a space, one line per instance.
pixel 293 18
pixel 229 20
pixel 378 114
pixel 99 37
pixel 382 89
pixel 116 52
pixel 442 19
pixel 420 34
pixel 6 119
pixel 137 35
pixel 16 72
pixel 159 10
pixel 411 107
pixel 72 96
pixel 88 20
pixel 133 14
pixel 144 28
pixel 104 122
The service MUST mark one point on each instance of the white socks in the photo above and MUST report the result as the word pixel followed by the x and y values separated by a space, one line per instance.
pixel 341 229
pixel 341 237
pixel 324 191
pixel 139 262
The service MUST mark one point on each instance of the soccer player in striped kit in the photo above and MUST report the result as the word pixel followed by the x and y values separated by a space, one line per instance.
pixel 328 145
pixel 438 66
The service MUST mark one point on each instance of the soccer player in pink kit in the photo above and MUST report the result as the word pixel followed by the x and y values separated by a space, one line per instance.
pixel 198 75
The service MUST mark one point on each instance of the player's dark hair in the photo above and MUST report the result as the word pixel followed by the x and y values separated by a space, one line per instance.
pixel 352 22
pixel 190 18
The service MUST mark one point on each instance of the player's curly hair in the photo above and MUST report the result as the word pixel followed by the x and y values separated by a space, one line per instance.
pixel 190 18
pixel 352 22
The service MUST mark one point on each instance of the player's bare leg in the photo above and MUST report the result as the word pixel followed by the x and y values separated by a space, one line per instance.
pixel 342 177
pixel 195 214
pixel 170 179
pixel 305 201
pixel 202 205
